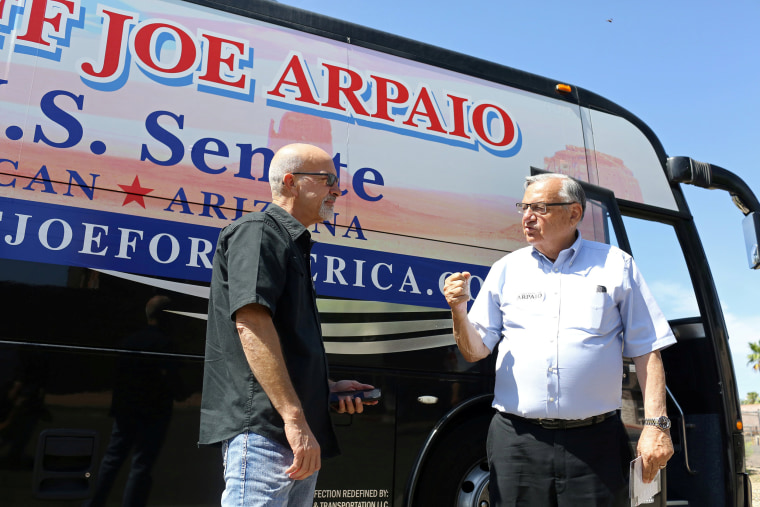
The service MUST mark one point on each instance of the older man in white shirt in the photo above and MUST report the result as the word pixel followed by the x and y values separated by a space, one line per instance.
pixel 564 312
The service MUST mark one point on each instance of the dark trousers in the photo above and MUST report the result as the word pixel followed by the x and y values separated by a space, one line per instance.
pixel 143 437
pixel 534 466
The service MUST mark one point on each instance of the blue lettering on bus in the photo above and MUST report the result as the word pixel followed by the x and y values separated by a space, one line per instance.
pixel 66 235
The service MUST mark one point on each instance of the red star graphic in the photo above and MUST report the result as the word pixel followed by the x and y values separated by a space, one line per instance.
pixel 135 192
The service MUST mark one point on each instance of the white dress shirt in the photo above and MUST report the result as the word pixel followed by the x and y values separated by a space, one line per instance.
pixel 564 327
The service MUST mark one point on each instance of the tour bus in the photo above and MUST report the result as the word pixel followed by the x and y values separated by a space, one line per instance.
pixel 134 130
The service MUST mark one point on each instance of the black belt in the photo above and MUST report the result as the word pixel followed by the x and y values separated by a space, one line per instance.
pixel 564 424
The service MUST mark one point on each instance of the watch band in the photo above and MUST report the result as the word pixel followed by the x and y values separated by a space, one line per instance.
pixel 661 422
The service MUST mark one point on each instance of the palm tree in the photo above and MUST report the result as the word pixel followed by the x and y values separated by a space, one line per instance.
pixel 754 358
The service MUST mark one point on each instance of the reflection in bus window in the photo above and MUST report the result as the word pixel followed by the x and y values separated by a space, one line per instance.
pixel 660 259
pixel 596 224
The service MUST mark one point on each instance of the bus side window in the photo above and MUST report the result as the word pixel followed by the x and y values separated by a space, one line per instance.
pixel 660 260
pixel 596 224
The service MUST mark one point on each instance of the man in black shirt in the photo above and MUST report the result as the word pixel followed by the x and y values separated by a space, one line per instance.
pixel 266 386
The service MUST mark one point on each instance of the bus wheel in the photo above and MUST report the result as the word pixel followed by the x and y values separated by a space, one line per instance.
pixel 457 471
pixel 473 490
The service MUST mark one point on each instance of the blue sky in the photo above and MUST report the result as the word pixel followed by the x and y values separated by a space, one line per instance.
pixel 690 70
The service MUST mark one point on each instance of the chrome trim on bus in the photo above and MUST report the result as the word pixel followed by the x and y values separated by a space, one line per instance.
pixel 389 346
pixel 374 328
pixel 377 334
pixel 201 291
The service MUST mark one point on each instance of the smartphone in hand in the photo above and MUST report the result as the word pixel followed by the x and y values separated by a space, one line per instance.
pixel 364 395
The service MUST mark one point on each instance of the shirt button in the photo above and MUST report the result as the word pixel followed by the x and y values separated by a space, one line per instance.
pixel 551 399
pixel 556 269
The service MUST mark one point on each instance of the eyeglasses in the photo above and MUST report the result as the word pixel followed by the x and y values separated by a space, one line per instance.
pixel 539 208
pixel 332 179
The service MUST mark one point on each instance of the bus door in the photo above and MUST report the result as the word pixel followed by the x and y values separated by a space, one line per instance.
pixel 698 472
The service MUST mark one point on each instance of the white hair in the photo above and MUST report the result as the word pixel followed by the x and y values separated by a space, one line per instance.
pixel 285 162
pixel 571 190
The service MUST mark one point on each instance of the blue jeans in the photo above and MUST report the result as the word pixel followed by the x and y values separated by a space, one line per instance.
pixel 254 475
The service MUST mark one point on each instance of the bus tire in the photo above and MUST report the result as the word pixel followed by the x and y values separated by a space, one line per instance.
pixel 456 473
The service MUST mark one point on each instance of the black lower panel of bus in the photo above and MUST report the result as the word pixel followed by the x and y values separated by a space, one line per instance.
pixel 704 485
pixel 59 411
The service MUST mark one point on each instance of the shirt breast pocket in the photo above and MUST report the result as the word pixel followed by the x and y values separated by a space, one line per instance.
pixel 587 309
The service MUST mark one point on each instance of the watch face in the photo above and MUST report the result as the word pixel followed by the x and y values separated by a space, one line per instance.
pixel 663 422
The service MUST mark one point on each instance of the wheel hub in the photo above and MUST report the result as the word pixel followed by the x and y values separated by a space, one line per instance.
pixel 473 490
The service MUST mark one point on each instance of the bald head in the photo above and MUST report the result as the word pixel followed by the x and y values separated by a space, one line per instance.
pixel 304 183
pixel 295 158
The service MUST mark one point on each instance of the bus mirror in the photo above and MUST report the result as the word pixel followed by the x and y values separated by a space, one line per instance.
pixel 751 226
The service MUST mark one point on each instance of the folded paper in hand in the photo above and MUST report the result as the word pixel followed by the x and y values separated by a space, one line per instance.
pixel 640 491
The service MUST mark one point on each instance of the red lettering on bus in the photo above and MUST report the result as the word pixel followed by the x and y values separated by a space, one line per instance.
pixel 459 116
pixel 144 48
pixel 483 131
pixel 353 84
pixel 116 26
pixel 37 18
pixel 428 111
pixel 295 67
pixel 214 48
pixel 383 96
pixel 5 8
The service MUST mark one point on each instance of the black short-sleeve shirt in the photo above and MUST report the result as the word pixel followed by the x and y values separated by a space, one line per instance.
pixel 263 258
